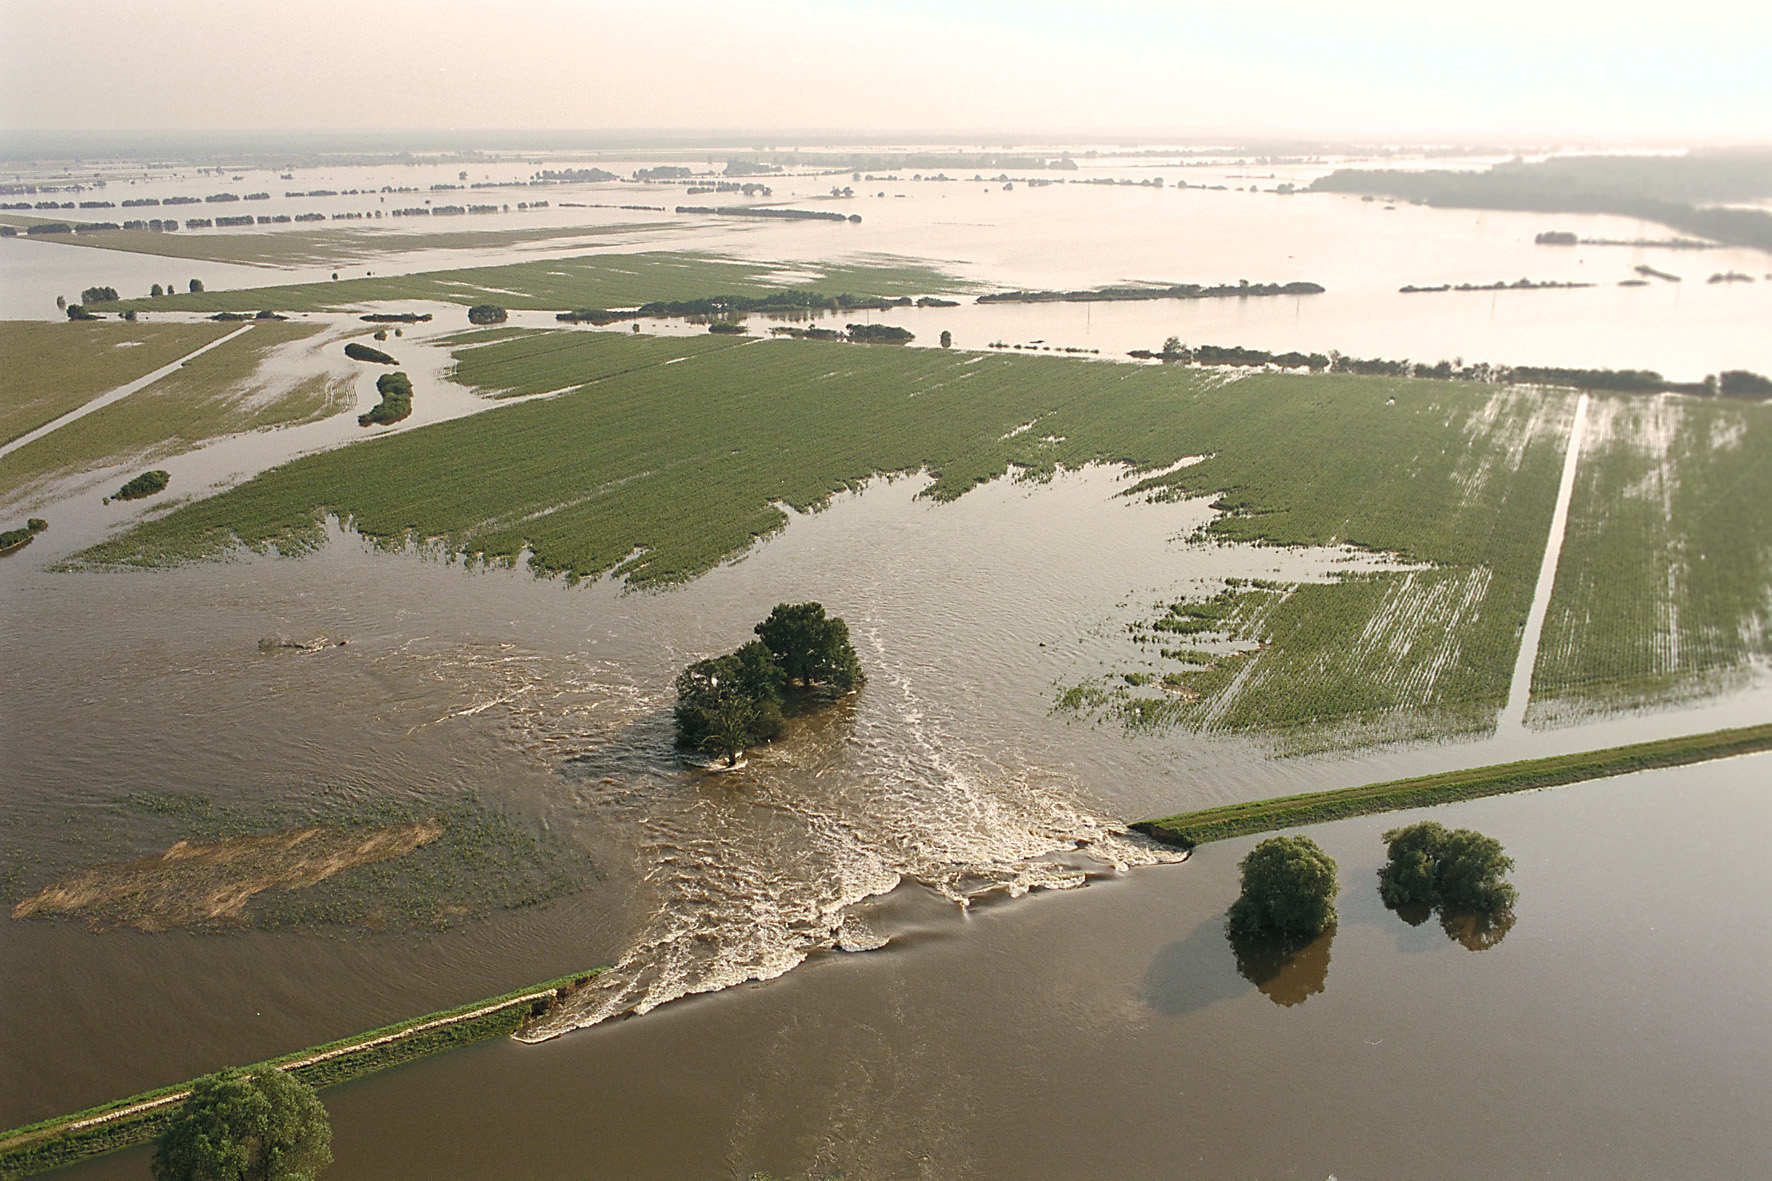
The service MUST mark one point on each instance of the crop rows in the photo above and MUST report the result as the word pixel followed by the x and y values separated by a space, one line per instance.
pixel 1665 577
pixel 655 469
pixel 595 281
pixel 213 395
pixel 52 368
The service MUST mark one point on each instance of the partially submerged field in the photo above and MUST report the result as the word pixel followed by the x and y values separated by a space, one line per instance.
pixel 1665 579
pixel 54 368
pixel 592 281
pixel 230 388
pixel 676 452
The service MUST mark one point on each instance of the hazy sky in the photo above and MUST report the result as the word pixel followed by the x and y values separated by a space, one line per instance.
pixel 1626 70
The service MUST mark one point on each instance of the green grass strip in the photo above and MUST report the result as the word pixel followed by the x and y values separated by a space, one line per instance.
pixel 53 1143
pixel 1188 829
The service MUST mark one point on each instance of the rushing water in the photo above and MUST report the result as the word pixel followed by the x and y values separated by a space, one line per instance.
pixel 1099 1031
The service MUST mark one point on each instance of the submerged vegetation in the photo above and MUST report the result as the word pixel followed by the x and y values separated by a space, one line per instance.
pixel 1662 582
pixel 668 457
pixel 333 862
pixel 1239 290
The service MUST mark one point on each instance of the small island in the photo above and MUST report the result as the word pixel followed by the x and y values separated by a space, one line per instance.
pixel 396 401
pixel 727 704
pixel 363 352
pixel 17 539
pixel 146 484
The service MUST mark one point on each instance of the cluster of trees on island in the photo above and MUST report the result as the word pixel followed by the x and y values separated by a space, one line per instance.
pixel 728 704
pixel 1731 383
pixel 787 214
pixel 146 484
pixel 1241 289
pixel 363 352
pixel 396 401
pixel 12 539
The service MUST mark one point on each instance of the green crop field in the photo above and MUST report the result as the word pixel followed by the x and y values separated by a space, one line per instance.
pixel 595 281
pixel 1665 578
pixel 1461 480
pixel 671 458
pixel 52 368
pixel 327 247
pixel 214 394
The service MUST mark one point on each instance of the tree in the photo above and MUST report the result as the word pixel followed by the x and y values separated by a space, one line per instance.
pixel 1172 346
pixel 1450 869
pixel 155 290
pixel 1289 890
pixel 947 340
pixel 809 647
pixel 729 703
pixel 196 286
pixel 263 1126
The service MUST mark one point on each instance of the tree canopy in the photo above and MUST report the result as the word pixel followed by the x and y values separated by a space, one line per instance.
pixel 1448 869
pixel 809 647
pixel 1289 891
pixel 726 704
pixel 262 1126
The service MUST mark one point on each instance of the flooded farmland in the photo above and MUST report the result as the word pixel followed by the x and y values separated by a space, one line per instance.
pixel 915 937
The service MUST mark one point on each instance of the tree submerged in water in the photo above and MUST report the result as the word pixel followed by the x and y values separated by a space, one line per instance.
pixel 1289 891
pixel 235 1126
pixel 1457 872
pixel 727 704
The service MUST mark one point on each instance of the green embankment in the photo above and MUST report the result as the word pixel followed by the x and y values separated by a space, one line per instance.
pixel 601 281
pixel 51 1144
pixel 1188 829
pixel 52 368
pixel 674 455
pixel 1665 576
pixel 212 395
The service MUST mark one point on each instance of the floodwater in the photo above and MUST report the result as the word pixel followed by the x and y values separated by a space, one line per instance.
pixel 994 979
pixel 1228 224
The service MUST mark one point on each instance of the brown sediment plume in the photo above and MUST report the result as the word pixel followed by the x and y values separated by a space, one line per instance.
pixel 212 882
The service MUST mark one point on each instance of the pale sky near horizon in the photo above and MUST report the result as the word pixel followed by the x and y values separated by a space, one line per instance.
pixel 1546 70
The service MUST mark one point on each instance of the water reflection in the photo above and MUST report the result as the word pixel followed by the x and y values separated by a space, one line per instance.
pixel 1476 930
pixel 1286 973
pixel 1193 973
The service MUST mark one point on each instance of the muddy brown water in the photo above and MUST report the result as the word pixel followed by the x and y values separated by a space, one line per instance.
pixel 987 1033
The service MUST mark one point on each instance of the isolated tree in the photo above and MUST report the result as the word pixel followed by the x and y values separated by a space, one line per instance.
pixel 809 647
pixel 1172 346
pixel 1289 890
pixel 1450 869
pixel 947 339
pixel 196 286
pixel 155 290
pixel 61 301
pixel 729 703
pixel 263 1126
